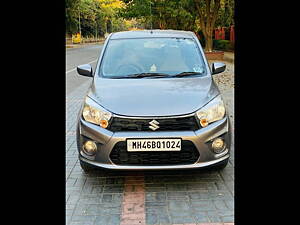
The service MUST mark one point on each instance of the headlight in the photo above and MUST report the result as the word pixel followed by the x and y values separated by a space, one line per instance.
pixel 213 111
pixel 95 114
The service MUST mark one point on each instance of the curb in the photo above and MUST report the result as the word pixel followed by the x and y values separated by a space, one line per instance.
pixel 83 45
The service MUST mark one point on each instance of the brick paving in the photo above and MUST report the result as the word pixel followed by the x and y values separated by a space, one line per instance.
pixel 157 197
pixel 133 207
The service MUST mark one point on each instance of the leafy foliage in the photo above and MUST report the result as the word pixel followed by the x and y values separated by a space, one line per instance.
pixel 104 16
pixel 160 14
pixel 96 16
pixel 71 15
pixel 226 14
pixel 224 45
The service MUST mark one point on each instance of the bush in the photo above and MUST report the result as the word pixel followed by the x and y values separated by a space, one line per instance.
pixel 224 45
pixel 201 39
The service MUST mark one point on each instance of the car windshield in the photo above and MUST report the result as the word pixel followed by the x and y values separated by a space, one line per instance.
pixel 152 57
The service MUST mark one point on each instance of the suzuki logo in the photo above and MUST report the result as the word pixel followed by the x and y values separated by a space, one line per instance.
pixel 154 125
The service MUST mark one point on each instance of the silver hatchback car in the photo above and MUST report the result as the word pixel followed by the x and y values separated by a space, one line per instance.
pixel 152 105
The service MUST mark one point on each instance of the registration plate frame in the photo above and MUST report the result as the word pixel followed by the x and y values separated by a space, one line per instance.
pixel 151 149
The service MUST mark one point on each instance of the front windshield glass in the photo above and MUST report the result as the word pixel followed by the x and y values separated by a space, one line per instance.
pixel 167 56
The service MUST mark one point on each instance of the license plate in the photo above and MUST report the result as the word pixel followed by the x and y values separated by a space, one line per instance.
pixel 140 145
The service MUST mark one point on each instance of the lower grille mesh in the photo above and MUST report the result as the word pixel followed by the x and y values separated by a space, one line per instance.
pixel 188 155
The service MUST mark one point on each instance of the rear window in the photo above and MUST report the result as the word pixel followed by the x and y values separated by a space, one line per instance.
pixel 151 55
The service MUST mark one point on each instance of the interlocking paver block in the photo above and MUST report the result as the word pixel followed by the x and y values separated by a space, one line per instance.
pixel 179 206
pixel 188 219
pixel 156 197
pixel 108 220
pixel 201 217
pixel 203 205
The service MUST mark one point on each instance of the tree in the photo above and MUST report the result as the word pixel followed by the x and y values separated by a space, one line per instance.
pixel 226 14
pixel 208 13
pixel 96 16
pixel 110 9
pixel 174 15
pixel 100 16
pixel 179 15
pixel 160 14
pixel 71 21
pixel 90 14
pixel 138 9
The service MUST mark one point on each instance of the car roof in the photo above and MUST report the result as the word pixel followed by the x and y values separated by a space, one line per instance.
pixel 152 33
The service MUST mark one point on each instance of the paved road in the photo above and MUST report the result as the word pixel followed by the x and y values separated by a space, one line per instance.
pixel 163 197
pixel 76 57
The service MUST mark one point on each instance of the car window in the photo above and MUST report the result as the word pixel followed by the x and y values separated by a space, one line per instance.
pixel 151 55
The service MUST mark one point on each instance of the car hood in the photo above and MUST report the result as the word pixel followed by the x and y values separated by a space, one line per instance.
pixel 153 97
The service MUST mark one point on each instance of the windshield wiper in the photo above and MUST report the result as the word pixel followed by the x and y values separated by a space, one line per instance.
pixel 186 74
pixel 141 75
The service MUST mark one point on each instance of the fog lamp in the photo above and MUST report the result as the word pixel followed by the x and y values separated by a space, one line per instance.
pixel 90 147
pixel 218 145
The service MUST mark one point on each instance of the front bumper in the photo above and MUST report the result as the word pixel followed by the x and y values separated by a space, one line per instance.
pixel 107 140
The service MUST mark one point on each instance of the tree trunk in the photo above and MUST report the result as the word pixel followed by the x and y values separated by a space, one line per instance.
pixel 208 16
pixel 208 43
pixel 208 35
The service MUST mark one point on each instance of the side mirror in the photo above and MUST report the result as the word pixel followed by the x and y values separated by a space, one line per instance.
pixel 85 70
pixel 218 67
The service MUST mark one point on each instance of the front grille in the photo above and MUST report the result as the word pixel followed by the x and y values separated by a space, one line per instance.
pixel 167 124
pixel 188 155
